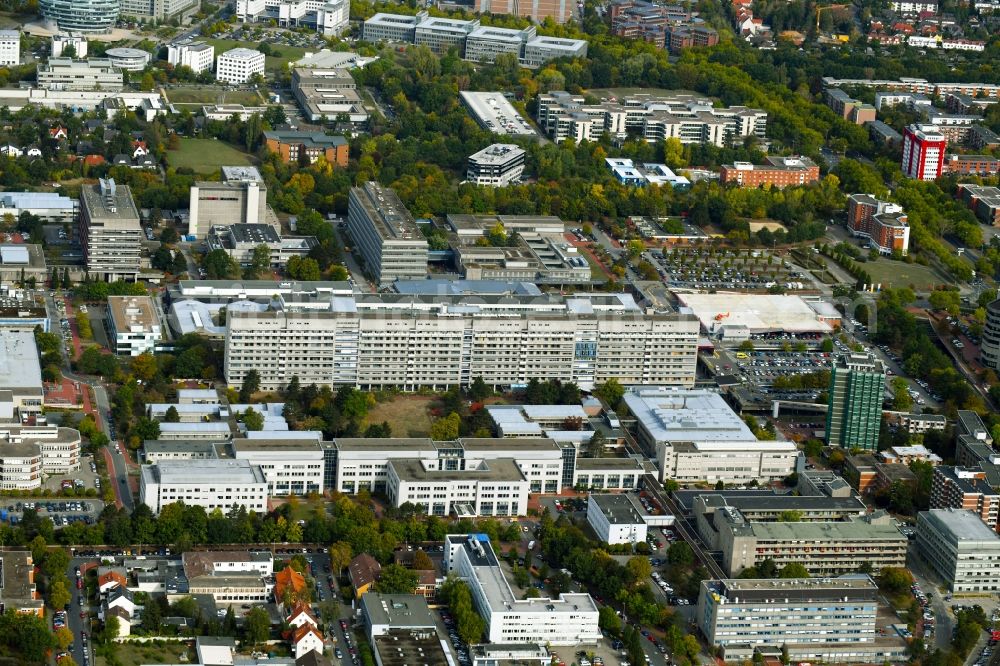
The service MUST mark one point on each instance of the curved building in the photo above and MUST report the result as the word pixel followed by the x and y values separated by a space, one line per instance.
pixel 989 350
pixel 130 60
pixel 81 15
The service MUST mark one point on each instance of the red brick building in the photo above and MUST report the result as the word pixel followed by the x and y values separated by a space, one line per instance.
pixel 778 172
pixel 293 145
pixel 965 488
pixel 882 222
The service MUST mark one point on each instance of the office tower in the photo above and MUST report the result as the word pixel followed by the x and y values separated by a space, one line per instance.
pixel 857 387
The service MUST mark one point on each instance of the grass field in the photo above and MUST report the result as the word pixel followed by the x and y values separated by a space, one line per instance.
pixel 287 53
pixel 135 653
pixel 212 95
pixel 207 155
pixel 407 415
pixel 899 274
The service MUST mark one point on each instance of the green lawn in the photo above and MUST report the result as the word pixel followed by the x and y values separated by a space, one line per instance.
pixel 271 63
pixel 207 155
pixel 900 274
pixel 136 653
pixel 212 95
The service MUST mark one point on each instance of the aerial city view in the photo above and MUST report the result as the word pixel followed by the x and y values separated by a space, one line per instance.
pixel 499 332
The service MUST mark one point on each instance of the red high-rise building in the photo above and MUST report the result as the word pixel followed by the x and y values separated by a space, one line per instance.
pixel 923 152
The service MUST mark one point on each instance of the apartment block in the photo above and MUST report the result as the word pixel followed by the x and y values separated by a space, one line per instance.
pixel 239 198
pixel 413 341
pixel 984 201
pixel 971 165
pixel 496 165
pixel 960 548
pixel 109 231
pixel 857 389
pixel 883 223
pixel 559 11
pixel 295 145
pixel 923 152
pixel 849 108
pixel 199 56
pixel 212 484
pixel 570 619
pixel 69 74
pixel 385 234
pixel 133 325
pixel 10 47
pixel 778 172
pixel 965 488
pixel 691 119
pixel 828 620
pixel 238 65
pixel 678 38
pixel 329 17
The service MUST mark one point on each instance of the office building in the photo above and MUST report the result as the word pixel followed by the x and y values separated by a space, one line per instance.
pixel 849 108
pixel 133 325
pixel 923 152
pixel 62 41
pixel 627 172
pixel 989 350
pixel 960 548
pixel 109 231
pixel 10 48
pixel 688 118
pixel 223 112
pixel 385 340
pixel 212 484
pixel 767 506
pixel 239 65
pixel 295 145
pixel 965 488
pixel 542 421
pixel 52 207
pixel 497 165
pixel 486 42
pixel 56 449
pixel 778 172
pixel 129 60
pixel 823 548
pixel 157 450
pixel 857 388
pixel 559 11
pixel 492 488
pixel 442 34
pixel 616 519
pixel 20 375
pixel 290 467
pixel 828 620
pixel 328 95
pixel 239 198
pixel 87 16
pixel 541 49
pixel 570 619
pixel 159 10
pixel 228 577
pixel 69 74
pixel 385 234
pixel 199 56
pixel 391 27
pixel 329 17
pixel 495 113
pixel 883 223
pixel 386 613
pixel 240 241
pixel 20 467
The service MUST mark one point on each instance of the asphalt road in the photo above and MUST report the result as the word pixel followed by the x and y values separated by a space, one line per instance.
pixel 74 622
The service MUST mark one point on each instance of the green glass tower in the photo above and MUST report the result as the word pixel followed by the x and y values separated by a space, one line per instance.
pixel 854 415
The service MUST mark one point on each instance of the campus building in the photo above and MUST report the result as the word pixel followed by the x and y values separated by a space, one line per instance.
pixel 69 74
pixel 81 15
pixel 133 325
pixel 239 198
pixel 199 56
pixel 616 519
pixel 52 207
pixel 983 200
pixel 62 41
pixel 295 145
pixel 883 223
pixel 559 11
pixel 290 467
pixel 406 341
pixel 960 548
pixel 778 172
pixel 570 619
pixel 109 231
pixel 496 165
pixel 329 17
pixel 238 65
pixel 923 152
pixel 491 488
pixel 240 241
pixel 328 95
pixel 989 351
pixel 212 484
pixel 857 388
pixel 385 234
pixel 159 10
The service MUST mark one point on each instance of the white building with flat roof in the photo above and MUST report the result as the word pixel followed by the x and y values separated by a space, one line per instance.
pixel 570 619
pixel 199 56
pixel 494 487
pixel 290 467
pixel 616 519
pixel 496 114
pixel 212 484
pixel 134 325
pixel 50 206
pixel 668 414
pixel 70 74
pixel 497 165
pixel 329 17
pixel 10 47
pixel 20 375
pixel 238 65
pixel 960 548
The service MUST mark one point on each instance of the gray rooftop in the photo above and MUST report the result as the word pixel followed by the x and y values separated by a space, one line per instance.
pixel 618 509
pixel 500 469
pixel 200 472
pixel 961 526
pixel 397 610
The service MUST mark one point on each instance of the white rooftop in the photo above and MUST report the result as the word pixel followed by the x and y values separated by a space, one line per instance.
pixel 493 111
pixel 197 394
pixel 19 365
pixel 199 472
pixel 686 415
pixel 760 313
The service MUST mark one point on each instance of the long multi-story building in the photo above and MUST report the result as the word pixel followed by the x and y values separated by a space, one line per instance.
pixel 238 65
pixel 960 548
pixel 854 415
pixel 691 119
pixel 849 108
pixel 109 231
pixel 881 222
pixel 559 11
pixel 56 449
pixel 497 165
pixel 965 488
pixel 212 484
pixel 491 488
pixel 778 172
pixel 923 152
pixel 989 350
pixel 81 16
pixel 982 200
pixel 239 198
pixel 971 165
pixel 158 10
pixel 290 467
pixel 415 341
pixel 385 234
pixel 52 207
pixel 327 95
pixel 827 620
pixel 69 74
pixel 240 241
pixel 329 17
pixel 570 619
pixel 199 56
pixel 295 145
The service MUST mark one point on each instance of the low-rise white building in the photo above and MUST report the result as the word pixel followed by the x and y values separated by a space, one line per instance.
pixel 58 448
pixel 199 56
pixel 133 324
pixel 497 165
pixel 10 47
pixel 960 548
pixel 616 519
pixel 128 60
pixel 570 619
pixel 211 432
pixel 213 484
pixel 290 467
pixel 492 488
pixel 238 65
pixel 61 41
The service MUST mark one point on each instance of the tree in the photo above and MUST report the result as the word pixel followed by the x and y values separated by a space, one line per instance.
pixel 258 626
pixel 252 419
pixel 144 366
pixel 793 570
pixel 112 628
pixel 639 568
pixel 251 384
pixel 340 556
pixel 895 580
pixel 219 265
pixel 396 579
pixel 680 554
pixel 59 595
pixel 260 262
pixel 172 416
pixel 609 621
pixel 901 400
pixel 611 392
pixel 478 390
pixel 422 561
pixel 446 428
pixel 147 83
pixel 64 637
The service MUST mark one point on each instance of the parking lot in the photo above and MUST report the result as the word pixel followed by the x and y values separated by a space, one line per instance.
pixel 763 367
pixel 723 268
pixel 61 511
